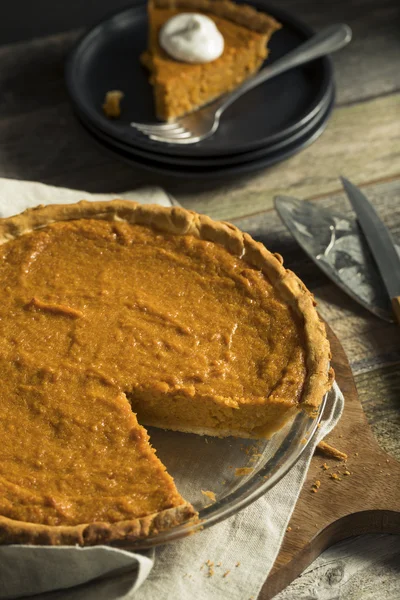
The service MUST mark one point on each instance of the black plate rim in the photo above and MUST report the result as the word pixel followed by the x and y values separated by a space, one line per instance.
pixel 108 127
pixel 225 161
pixel 242 169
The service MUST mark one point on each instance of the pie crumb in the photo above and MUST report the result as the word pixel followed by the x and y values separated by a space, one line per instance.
pixel 112 104
pixel 330 451
pixel 315 486
pixel 254 457
pixel 226 573
pixel 210 495
pixel 289 529
pixel 335 476
pixel 239 472
pixel 325 467
pixel 237 564
pixel 210 566
pixel 346 472
pixel 218 564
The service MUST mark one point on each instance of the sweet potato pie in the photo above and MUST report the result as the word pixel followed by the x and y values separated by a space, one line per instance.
pixel 114 316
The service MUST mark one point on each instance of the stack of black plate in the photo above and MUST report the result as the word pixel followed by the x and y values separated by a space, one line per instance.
pixel 265 126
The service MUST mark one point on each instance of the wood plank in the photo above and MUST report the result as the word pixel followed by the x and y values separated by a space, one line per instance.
pixel 68 15
pixel 368 67
pixel 32 74
pixel 50 146
pixel 379 393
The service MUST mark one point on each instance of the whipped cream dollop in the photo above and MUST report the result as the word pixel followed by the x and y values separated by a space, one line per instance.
pixel 191 38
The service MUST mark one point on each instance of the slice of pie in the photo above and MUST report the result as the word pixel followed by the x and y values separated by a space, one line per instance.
pixel 179 87
pixel 115 313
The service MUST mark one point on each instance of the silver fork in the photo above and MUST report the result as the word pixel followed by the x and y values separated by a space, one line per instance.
pixel 202 123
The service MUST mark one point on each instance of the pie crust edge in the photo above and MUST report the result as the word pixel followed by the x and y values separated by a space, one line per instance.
pixel 244 15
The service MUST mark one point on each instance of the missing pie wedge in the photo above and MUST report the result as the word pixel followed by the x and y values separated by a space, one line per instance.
pixel 117 315
pixel 179 87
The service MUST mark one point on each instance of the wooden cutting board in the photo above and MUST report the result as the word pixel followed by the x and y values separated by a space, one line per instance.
pixel 366 501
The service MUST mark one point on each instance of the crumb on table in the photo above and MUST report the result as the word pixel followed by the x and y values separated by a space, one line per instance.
pixel 335 476
pixel 330 451
pixel 315 486
pixel 112 104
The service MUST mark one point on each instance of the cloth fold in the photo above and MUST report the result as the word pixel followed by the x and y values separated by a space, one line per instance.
pixel 229 561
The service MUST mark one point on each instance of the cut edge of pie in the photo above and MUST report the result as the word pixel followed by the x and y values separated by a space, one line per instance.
pixel 177 221
pixel 211 80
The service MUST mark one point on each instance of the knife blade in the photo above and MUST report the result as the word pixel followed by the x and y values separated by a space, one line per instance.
pixel 380 242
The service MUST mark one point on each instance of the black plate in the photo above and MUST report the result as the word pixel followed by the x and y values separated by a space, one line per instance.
pixel 108 58
pixel 217 161
pixel 267 160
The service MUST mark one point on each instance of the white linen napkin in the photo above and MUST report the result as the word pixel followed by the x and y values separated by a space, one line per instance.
pixel 242 549
pixel 16 196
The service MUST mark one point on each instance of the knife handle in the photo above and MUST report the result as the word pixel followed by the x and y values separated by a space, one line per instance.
pixel 396 308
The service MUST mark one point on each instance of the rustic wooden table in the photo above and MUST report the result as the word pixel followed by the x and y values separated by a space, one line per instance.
pixel 41 140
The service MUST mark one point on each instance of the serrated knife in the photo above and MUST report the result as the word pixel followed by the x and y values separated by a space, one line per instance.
pixel 379 241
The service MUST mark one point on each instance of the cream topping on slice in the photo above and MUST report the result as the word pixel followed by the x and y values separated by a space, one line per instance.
pixel 192 38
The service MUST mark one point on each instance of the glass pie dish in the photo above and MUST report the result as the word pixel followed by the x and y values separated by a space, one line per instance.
pixel 237 471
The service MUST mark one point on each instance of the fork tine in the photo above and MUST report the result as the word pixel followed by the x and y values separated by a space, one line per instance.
pixel 170 140
pixel 173 136
pixel 163 127
pixel 168 132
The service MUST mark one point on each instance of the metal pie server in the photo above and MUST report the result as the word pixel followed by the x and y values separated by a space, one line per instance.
pixel 335 243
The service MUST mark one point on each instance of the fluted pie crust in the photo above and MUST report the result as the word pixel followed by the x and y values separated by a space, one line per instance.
pixel 253 267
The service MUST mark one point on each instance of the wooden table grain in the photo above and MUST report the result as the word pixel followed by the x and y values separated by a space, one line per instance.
pixel 41 140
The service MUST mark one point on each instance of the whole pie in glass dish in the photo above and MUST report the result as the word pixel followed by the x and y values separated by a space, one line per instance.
pixel 180 87
pixel 117 315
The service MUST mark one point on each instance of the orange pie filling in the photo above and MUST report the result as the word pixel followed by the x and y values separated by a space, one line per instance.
pixel 101 320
